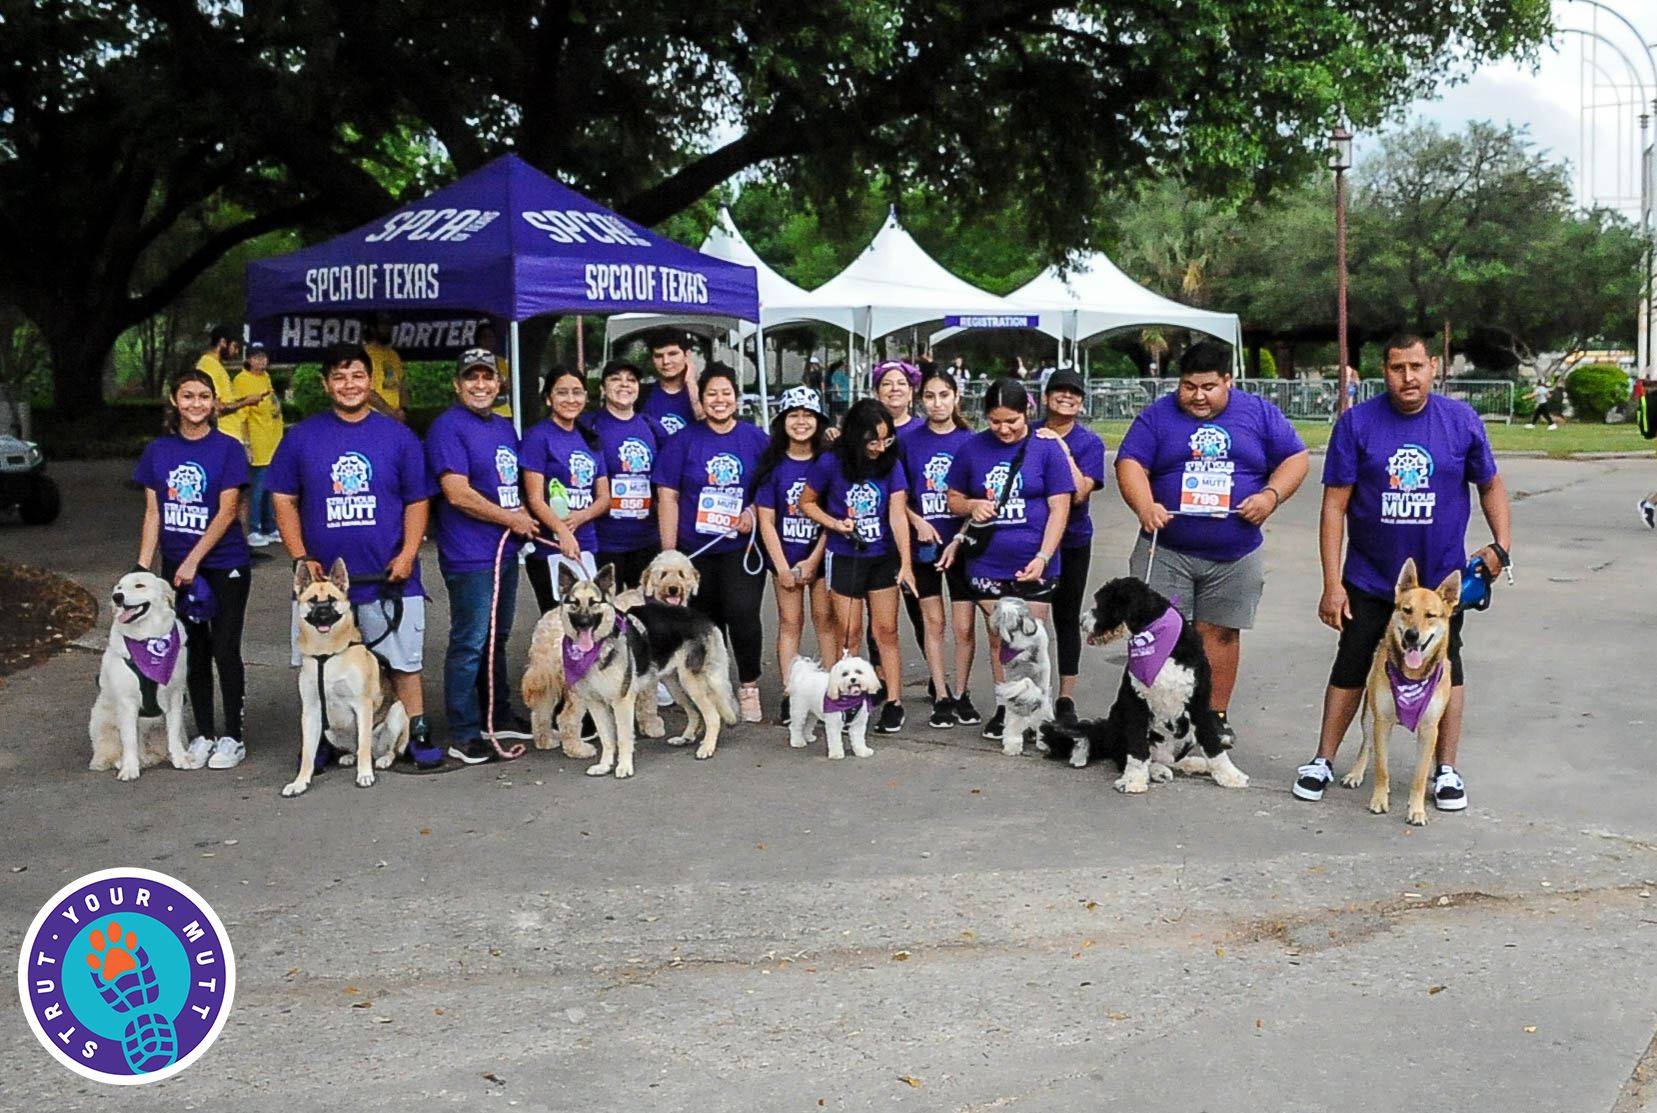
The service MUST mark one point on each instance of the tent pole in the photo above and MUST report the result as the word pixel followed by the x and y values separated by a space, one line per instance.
pixel 516 358
pixel 759 364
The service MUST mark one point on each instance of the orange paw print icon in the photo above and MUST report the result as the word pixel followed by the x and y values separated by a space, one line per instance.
pixel 111 954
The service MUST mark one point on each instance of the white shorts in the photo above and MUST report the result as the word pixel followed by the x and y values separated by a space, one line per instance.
pixel 403 648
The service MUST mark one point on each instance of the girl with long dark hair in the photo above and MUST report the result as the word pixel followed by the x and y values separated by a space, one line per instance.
pixel 858 492
pixel 566 483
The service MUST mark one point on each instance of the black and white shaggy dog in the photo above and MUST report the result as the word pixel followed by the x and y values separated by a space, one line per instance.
pixel 1162 707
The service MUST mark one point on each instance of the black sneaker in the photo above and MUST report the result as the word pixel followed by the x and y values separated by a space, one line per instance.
pixel 931 692
pixel 997 725
pixel 891 718
pixel 943 714
pixel 513 725
pixel 965 713
pixel 1064 711
pixel 1312 778
pixel 1449 793
pixel 421 749
pixel 475 752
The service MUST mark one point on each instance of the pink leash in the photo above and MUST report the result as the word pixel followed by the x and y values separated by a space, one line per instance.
pixel 518 750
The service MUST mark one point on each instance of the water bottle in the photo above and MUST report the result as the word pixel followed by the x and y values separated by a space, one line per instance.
pixel 558 499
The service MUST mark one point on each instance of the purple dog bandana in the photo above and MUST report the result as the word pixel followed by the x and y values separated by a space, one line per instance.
pixel 1411 697
pixel 1007 654
pixel 154 658
pixel 846 705
pixel 1149 649
pixel 578 661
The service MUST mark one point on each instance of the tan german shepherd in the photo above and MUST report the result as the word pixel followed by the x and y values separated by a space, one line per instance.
pixel 1409 682
pixel 339 673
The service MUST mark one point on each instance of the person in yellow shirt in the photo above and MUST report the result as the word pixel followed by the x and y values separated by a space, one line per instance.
pixel 225 341
pixel 262 419
pixel 390 393
pixel 485 338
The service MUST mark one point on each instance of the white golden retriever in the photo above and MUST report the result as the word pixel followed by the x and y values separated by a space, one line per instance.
pixel 141 679
pixel 840 697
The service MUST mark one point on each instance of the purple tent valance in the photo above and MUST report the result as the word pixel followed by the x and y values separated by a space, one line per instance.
pixel 506 242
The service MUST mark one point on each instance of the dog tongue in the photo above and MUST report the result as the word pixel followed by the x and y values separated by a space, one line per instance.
pixel 584 641
pixel 1413 658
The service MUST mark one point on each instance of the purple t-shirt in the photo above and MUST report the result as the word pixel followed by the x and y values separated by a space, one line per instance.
pixel 564 454
pixel 485 451
pixel 926 460
pixel 1208 464
pixel 979 470
pixel 353 480
pixel 714 474
pixel 672 413
pixel 1087 448
pixel 780 491
pixel 865 501
pixel 1409 476
pixel 629 453
pixel 188 477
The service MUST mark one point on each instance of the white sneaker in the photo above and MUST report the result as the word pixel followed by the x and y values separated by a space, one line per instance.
pixel 227 754
pixel 664 698
pixel 1648 513
pixel 1312 778
pixel 197 752
pixel 259 540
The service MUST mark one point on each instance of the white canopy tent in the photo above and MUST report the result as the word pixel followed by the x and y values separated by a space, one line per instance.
pixel 1097 297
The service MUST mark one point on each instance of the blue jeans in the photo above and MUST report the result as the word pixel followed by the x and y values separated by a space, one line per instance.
pixel 261 515
pixel 465 679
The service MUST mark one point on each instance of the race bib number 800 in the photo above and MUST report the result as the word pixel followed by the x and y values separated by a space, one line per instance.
pixel 717 510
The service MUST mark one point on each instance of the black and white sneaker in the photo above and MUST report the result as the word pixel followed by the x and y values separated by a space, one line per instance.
pixel 1064 711
pixel 891 718
pixel 476 752
pixel 1449 792
pixel 965 713
pixel 997 725
pixel 1312 778
pixel 1648 513
pixel 513 726
pixel 589 729
pixel 1228 736
pixel 943 714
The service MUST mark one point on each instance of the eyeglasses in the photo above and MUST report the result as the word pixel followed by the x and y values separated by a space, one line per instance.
pixel 883 442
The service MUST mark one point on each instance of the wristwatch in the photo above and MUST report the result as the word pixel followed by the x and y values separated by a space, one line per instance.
pixel 1045 558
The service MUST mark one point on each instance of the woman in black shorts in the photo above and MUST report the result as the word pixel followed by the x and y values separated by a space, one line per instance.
pixel 857 493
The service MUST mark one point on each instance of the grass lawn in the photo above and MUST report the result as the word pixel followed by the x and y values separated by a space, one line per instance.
pixel 1568 440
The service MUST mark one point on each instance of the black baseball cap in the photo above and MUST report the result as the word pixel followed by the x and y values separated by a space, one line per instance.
pixel 1066 379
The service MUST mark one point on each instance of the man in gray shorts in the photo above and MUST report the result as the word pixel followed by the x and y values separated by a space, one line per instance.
pixel 1201 469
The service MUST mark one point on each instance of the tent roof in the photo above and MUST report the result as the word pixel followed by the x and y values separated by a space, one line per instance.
pixel 724 241
pixel 893 284
pixel 1103 298
pixel 505 240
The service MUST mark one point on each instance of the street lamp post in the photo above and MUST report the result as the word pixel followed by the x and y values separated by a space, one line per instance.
pixel 1340 160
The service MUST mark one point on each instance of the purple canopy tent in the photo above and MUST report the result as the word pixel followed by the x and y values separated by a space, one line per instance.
pixel 507 242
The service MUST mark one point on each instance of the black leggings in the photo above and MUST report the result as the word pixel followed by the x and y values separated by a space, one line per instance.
pixel 732 597
pixel 1067 607
pixel 217 642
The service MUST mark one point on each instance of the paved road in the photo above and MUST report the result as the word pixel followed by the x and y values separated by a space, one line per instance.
pixel 772 931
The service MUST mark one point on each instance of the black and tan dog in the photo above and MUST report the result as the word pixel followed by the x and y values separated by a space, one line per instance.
pixel 612 658
pixel 1409 683
pixel 343 686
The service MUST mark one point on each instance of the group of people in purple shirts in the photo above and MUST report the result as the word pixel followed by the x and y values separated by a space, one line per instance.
pixel 844 521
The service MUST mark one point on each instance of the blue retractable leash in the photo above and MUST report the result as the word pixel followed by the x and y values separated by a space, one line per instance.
pixel 1477 579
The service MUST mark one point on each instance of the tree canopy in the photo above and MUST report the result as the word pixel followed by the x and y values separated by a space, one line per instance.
pixel 126 124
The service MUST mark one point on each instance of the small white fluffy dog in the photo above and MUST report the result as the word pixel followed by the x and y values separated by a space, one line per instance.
pixel 812 693
pixel 1025 659
pixel 141 679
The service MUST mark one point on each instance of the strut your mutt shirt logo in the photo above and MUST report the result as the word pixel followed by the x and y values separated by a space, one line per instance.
pixel 672 423
pixel 935 496
pixel 863 505
pixel 126 976
pixel 351 504
pixel 1407 500
pixel 184 509
pixel 994 480
pixel 506 477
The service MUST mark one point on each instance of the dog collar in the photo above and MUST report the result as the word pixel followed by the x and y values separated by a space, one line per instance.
pixel 1150 649
pixel 1411 697
pixel 155 658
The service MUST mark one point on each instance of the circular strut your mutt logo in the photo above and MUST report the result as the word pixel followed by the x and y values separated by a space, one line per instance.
pixel 352 474
pixel 187 482
pixel 126 976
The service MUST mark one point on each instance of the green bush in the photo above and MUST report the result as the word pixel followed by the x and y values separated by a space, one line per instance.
pixel 1268 364
pixel 1108 363
pixel 1595 389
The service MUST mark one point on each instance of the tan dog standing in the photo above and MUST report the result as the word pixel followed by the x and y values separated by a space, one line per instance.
pixel 342 677
pixel 1409 683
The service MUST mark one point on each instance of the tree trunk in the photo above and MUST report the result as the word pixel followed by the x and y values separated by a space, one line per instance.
pixel 78 352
